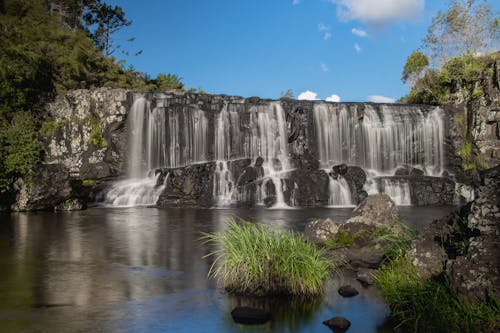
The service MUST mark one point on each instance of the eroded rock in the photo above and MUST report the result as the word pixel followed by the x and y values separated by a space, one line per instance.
pixel 319 231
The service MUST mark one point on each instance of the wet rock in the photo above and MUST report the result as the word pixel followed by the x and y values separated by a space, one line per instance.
pixel 340 169
pixel 307 188
pixel 250 316
pixel 338 324
pixel 319 231
pixel 402 171
pixel 365 276
pixel 348 291
pixel 414 172
pixel 378 210
pixel 259 161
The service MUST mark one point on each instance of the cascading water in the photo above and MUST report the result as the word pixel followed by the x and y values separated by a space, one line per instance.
pixel 340 194
pixel 398 190
pixel 380 139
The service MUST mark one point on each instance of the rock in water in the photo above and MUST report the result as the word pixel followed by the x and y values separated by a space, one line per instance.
pixel 338 324
pixel 348 291
pixel 378 210
pixel 250 316
pixel 321 230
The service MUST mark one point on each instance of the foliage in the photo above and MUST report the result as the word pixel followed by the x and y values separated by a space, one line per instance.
pixel 415 64
pixel 96 137
pixel 167 81
pixel 343 239
pixel 50 127
pixel 20 149
pixel 287 94
pixel 468 27
pixel 89 182
pixel 430 306
pixel 255 259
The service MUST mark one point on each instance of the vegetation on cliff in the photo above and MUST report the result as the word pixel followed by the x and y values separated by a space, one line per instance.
pixel 257 260
pixel 48 47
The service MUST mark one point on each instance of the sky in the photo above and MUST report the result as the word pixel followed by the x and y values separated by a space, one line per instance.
pixel 338 50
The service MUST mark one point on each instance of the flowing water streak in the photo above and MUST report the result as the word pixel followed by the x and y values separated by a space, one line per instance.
pixel 398 190
pixel 340 194
pixel 135 192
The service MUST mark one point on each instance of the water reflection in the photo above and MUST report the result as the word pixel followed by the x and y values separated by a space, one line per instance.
pixel 143 270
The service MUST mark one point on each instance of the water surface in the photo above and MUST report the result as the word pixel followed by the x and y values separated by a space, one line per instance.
pixel 145 270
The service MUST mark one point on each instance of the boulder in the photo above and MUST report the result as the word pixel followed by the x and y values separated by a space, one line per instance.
pixel 338 324
pixel 378 210
pixel 250 316
pixel 428 257
pixel 47 188
pixel 365 276
pixel 340 169
pixel 348 291
pixel 414 172
pixel 402 171
pixel 319 231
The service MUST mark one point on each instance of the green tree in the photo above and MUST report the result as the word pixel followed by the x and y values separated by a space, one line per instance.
pixel 167 82
pixel 467 27
pixel 287 94
pixel 107 21
pixel 414 66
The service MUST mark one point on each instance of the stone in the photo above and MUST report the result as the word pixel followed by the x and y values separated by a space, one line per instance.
pixel 250 316
pixel 402 171
pixel 70 205
pixel 428 257
pixel 340 169
pixel 319 231
pixel 367 257
pixel 50 187
pixel 348 291
pixel 338 324
pixel 365 276
pixel 378 210
pixel 414 172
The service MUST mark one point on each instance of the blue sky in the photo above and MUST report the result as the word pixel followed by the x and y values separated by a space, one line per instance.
pixel 353 49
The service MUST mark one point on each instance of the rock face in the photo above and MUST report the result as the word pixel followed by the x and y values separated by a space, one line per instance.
pixel 43 190
pixel 377 210
pixel 85 132
pixel 321 230
pixel 477 273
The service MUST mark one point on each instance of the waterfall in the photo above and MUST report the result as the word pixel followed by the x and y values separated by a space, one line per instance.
pixel 380 138
pixel 134 192
pixel 398 190
pixel 340 194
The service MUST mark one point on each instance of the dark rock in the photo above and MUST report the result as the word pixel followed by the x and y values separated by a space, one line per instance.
pixel 277 165
pixel 348 291
pixel 414 172
pixel 319 231
pixel 378 210
pixel 259 161
pixel 340 169
pixel 70 205
pixel 402 171
pixel 51 188
pixel 307 188
pixel 250 316
pixel 338 324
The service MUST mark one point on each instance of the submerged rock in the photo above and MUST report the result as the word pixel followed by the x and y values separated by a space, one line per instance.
pixel 338 324
pixel 250 316
pixel 348 291
pixel 319 231
pixel 365 276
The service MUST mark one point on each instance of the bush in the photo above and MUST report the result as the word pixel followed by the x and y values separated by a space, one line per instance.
pixel 430 306
pixel 255 259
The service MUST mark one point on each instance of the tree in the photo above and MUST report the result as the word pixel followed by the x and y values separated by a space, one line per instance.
pixel 467 27
pixel 414 66
pixel 167 82
pixel 287 94
pixel 108 20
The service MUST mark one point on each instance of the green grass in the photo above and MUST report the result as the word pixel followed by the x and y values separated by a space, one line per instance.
pixel 256 260
pixel 430 306
pixel 343 239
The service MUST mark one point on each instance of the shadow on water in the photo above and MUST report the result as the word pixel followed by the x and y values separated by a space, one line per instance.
pixel 145 270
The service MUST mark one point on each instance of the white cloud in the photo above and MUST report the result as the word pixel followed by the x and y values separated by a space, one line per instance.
pixel 378 11
pixel 333 98
pixel 325 30
pixel 380 99
pixel 324 67
pixel 323 27
pixel 359 32
pixel 357 47
pixel 308 95
pixel 295 2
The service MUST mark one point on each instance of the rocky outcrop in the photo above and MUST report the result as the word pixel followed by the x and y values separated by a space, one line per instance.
pixel 85 131
pixel 477 273
pixel 43 190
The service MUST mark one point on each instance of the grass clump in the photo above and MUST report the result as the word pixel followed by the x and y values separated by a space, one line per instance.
pixel 256 260
pixel 420 305
pixel 343 239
